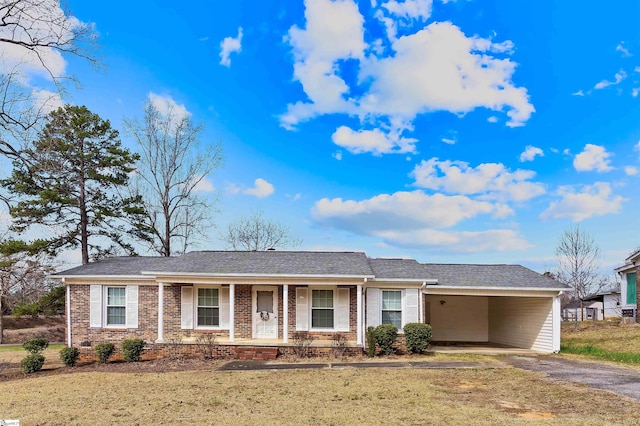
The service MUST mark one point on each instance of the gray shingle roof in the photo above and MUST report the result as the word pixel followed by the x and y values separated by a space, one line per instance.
pixel 303 263
pixel 399 269
pixel 235 262
pixel 461 275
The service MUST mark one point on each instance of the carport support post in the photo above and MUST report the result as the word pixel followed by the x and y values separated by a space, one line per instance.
pixel 160 311
pixel 555 315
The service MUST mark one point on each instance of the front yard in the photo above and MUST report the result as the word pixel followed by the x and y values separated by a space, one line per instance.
pixel 332 396
pixel 603 340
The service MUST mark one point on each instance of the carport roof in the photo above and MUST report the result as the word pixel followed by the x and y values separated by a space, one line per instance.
pixel 507 276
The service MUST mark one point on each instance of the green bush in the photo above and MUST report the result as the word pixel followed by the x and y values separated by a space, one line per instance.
pixel 37 345
pixel 386 335
pixel 418 337
pixel 132 349
pixel 371 341
pixel 104 352
pixel 32 363
pixel 69 356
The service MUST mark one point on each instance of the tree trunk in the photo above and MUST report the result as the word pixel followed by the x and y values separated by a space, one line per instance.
pixel 1 321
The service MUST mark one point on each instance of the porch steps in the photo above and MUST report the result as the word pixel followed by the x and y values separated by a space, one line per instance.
pixel 256 352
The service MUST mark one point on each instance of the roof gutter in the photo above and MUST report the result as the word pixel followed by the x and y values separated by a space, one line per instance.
pixel 233 275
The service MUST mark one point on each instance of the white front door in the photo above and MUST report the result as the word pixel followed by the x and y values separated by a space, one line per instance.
pixel 265 312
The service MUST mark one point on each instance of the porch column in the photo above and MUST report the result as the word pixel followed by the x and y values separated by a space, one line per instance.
pixel 359 314
pixel 285 313
pixel 68 309
pixel 232 312
pixel 160 311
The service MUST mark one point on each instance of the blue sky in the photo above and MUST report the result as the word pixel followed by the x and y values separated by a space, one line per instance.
pixel 447 131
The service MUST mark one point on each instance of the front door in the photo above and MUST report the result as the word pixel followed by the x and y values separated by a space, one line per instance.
pixel 265 312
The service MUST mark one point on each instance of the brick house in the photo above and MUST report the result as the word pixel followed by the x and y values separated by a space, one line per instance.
pixel 262 299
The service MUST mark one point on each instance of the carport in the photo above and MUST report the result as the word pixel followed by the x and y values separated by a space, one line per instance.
pixel 493 307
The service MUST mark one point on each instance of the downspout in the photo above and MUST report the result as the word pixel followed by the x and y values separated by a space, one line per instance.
pixel 421 303
pixel 68 311
pixel 363 334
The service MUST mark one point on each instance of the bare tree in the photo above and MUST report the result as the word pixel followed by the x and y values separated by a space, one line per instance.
pixel 22 267
pixel 255 233
pixel 34 35
pixel 578 259
pixel 170 173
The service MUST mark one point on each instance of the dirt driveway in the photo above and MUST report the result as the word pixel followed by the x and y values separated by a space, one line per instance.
pixel 620 380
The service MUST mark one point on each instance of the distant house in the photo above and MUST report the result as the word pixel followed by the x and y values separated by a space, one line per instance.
pixel 629 272
pixel 602 306
pixel 250 300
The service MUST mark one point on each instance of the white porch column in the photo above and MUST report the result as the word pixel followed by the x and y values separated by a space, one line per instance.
pixel 68 306
pixel 359 314
pixel 232 312
pixel 555 317
pixel 285 313
pixel 160 311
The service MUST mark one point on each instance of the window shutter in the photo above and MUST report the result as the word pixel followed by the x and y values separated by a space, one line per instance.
pixel 411 307
pixel 631 288
pixel 373 307
pixel 95 306
pixel 224 307
pixel 342 310
pixel 186 307
pixel 132 306
pixel 302 309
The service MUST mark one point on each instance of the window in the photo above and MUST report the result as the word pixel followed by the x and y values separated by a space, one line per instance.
pixel 392 307
pixel 208 307
pixel 116 306
pixel 631 288
pixel 322 309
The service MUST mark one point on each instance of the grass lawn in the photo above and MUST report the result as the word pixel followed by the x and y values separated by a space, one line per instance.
pixel 603 340
pixel 348 396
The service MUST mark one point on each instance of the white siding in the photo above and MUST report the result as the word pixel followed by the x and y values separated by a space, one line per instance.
pixel 459 318
pixel 523 322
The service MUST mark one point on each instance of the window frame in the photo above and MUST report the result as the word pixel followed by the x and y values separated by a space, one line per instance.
pixel 106 307
pixel 196 306
pixel 334 302
pixel 401 310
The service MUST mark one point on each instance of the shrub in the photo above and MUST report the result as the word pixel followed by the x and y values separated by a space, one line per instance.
pixel 32 363
pixel 418 336
pixel 207 346
pixel 386 335
pixel 132 349
pixel 37 345
pixel 302 344
pixel 69 356
pixel 338 345
pixel 371 341
pixel 104 352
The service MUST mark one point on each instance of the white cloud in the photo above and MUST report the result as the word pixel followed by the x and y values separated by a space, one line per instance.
pixel 167 106
pixel 636 147
pixel 374 141
pixel 46 101
pixel 631 170
pixel 437 68
pixel 593 157
pixel 402 13
pixel 449 141
pixel 261 189
pixel 412 218
pixel 337 155
pixel 204 185
pixel 623 50
pixel 620 75
pixel 228 46
pixel 490 180
pixel 578 93
pixel 635 91
pixel 530 153
pixel 441 69
pixel 492 119
pixel 592 200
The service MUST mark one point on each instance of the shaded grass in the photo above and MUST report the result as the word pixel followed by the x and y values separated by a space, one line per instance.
pixel 19 348
pixel 334 396
pixel 603 340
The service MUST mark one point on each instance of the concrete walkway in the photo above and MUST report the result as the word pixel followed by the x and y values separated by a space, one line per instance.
pixel 262 365
pixel 620 380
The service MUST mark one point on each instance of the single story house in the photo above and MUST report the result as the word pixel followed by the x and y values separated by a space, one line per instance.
pixel 629 272
pixel 602 306
pixel 262 299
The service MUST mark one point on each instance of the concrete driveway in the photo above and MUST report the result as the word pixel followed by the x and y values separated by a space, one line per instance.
pixel 620 380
